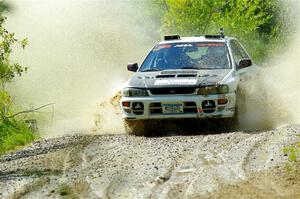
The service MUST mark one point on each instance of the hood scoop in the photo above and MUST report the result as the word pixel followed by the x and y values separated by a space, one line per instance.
pixel 187 75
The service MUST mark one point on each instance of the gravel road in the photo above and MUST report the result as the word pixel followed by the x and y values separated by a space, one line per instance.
pixel 206 165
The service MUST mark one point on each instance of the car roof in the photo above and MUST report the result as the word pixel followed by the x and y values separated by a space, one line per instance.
pixel 195 39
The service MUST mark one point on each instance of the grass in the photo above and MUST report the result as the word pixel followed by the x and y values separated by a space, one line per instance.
pixel 14 135
pixel 65 190
pixel 293 152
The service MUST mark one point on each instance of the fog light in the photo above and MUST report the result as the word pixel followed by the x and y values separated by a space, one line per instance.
pixel 137 106
pixel 208 106
pixel 222 101
pixel 126 104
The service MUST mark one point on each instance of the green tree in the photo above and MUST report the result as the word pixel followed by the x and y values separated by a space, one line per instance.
pixel 255 22
pixel 8 69
pixel 13 132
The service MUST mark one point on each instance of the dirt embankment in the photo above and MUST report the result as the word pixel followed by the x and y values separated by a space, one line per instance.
pixel 207 165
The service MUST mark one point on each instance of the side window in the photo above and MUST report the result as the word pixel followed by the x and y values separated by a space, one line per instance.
pixel 237 51
pixel 241 49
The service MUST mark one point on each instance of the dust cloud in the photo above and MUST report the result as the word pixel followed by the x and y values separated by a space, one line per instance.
pixel 273 98
pixel 77 59
pixel 77 56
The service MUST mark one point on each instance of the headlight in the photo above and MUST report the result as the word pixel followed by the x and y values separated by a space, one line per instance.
pixel 134 92
pixel 211 90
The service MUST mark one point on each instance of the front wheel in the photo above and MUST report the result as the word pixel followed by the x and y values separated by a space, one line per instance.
pixel 240 110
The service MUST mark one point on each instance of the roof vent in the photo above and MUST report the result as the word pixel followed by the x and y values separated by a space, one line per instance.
pixel 171 37
pixel 222 32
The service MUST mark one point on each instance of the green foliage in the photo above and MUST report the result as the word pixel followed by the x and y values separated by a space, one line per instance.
pixel 9 70
pixel 293 152
pixel 14 134
pixel 3 6
pixel 257 23
pixel 5 104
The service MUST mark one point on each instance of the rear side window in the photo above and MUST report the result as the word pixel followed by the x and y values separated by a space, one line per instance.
pixel 237 51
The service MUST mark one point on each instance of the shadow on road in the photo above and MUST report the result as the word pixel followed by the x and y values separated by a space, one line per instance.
pixel 195 127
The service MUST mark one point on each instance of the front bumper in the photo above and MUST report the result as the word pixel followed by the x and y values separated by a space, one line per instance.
pixel 192 105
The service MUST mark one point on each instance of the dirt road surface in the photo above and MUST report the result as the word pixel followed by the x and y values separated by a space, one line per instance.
pixel 204 165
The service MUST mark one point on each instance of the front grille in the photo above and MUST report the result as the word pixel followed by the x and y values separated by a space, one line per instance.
pixel 188 107
pixel 172 91
pixel 155 108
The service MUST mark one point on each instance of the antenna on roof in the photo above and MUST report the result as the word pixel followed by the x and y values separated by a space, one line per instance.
pixel 221 31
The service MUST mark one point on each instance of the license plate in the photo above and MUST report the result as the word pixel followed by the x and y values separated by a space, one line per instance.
pixel 172 108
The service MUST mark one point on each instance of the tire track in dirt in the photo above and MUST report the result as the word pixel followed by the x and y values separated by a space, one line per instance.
pixel 122 166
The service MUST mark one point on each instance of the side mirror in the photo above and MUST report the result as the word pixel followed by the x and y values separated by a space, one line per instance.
pixel 132 67
pixel 244 63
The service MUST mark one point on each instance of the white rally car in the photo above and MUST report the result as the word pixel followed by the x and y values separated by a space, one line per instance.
pixel 190 77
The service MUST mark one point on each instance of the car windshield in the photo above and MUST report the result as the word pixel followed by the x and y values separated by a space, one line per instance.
pixel 192 55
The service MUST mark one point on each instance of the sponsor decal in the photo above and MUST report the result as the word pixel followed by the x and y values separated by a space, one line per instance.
pixel 179 82
pixel 210 44
pixel 137 106
pixel 208 104
pixel 157 48
pixel 183 45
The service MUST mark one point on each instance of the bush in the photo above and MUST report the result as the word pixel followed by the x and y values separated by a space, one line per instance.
pixel 293 152
pixel 13 132
pixel 13 135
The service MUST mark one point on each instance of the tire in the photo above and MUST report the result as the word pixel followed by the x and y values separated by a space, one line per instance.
pixel 240 108
pixel 236 122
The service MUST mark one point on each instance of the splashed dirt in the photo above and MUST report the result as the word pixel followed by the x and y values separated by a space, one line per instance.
pixel 108 116
pixel 206 165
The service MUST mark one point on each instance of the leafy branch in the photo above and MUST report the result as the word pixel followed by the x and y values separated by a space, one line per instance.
pixel 8 69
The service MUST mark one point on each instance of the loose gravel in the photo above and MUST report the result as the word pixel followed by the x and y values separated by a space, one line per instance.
pixel 124 166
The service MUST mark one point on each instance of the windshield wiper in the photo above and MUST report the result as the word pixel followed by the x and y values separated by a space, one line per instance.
pixel 190 68
pixel 150 70
pixel 209 68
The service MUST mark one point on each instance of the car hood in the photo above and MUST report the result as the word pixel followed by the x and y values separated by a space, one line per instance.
pixel 177 78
